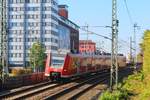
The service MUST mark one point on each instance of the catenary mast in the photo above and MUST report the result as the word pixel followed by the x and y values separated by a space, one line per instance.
pixel 3 36
pixel 114 61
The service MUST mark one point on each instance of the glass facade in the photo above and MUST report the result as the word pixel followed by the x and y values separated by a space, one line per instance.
pixel 64 38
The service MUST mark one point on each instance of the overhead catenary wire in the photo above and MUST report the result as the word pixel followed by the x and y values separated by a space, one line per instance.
pixel 105 37
pixel 95 33
pixel 128 12
pixel 134 37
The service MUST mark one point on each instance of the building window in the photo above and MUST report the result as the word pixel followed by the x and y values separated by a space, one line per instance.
pixel 54 48
pixel 46 8
pixel 54 3
pixel 46 1
pixel 54 33
pixel 54 10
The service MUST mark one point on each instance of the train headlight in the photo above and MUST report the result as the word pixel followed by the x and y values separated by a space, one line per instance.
pixel 65 70
pixel 47 74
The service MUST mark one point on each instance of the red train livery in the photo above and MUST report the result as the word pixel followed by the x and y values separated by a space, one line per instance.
pixel 78 64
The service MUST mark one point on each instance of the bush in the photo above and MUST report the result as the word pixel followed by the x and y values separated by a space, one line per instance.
pixel 119 94
pixel 17 72
pixel 28 71
pixel 106 96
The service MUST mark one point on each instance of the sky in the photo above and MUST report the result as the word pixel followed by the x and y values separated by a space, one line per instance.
pixel 99 13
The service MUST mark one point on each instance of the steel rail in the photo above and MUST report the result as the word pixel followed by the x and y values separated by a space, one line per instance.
pixel 12 92
pixel 69 89
pixel 81 92
pixel 42 91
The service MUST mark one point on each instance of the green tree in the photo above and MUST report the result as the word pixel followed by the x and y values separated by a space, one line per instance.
pixel 145 45
pixel 37 56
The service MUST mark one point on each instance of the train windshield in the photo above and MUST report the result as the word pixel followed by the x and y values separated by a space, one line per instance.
pixel 57 61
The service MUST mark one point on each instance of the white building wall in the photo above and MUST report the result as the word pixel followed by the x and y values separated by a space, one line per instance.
pixel 29 22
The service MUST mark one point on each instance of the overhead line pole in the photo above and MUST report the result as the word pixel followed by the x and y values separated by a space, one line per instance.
pixel 131 55
pixel 87 27
pixel 4 40
pixel 114 54
pixel 135 54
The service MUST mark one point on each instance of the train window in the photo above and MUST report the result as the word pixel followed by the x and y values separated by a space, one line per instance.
pixel 57 60
pixel 57 63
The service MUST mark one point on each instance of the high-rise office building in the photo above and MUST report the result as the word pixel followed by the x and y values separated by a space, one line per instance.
pixel 29 21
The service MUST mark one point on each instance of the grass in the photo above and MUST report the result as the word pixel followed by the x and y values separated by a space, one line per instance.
pixel 135 87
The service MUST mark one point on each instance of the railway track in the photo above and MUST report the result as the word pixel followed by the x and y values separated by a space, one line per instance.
pixel 13 92
pixel 40 91
pixel 74 91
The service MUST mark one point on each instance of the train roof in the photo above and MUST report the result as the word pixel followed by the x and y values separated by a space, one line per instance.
pixel 96 56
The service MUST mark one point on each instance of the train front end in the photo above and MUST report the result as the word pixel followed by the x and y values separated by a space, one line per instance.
pixel 54 66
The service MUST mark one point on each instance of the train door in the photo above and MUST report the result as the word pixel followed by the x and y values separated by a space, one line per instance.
pixel 76 65
pixel 77 62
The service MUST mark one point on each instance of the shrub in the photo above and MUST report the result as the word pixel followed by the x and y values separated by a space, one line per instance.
pixel 28 71
pixel 138 77
pixel 17 72
pixel 14 72
pixel 106 96
pixel 119 94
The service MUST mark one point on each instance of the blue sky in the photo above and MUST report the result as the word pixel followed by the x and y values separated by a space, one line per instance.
pixel 98 13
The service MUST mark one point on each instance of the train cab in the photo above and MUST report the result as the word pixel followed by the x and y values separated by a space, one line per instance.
pixel 54 66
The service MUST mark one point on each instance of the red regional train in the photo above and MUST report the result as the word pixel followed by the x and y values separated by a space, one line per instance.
pixel 79 64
